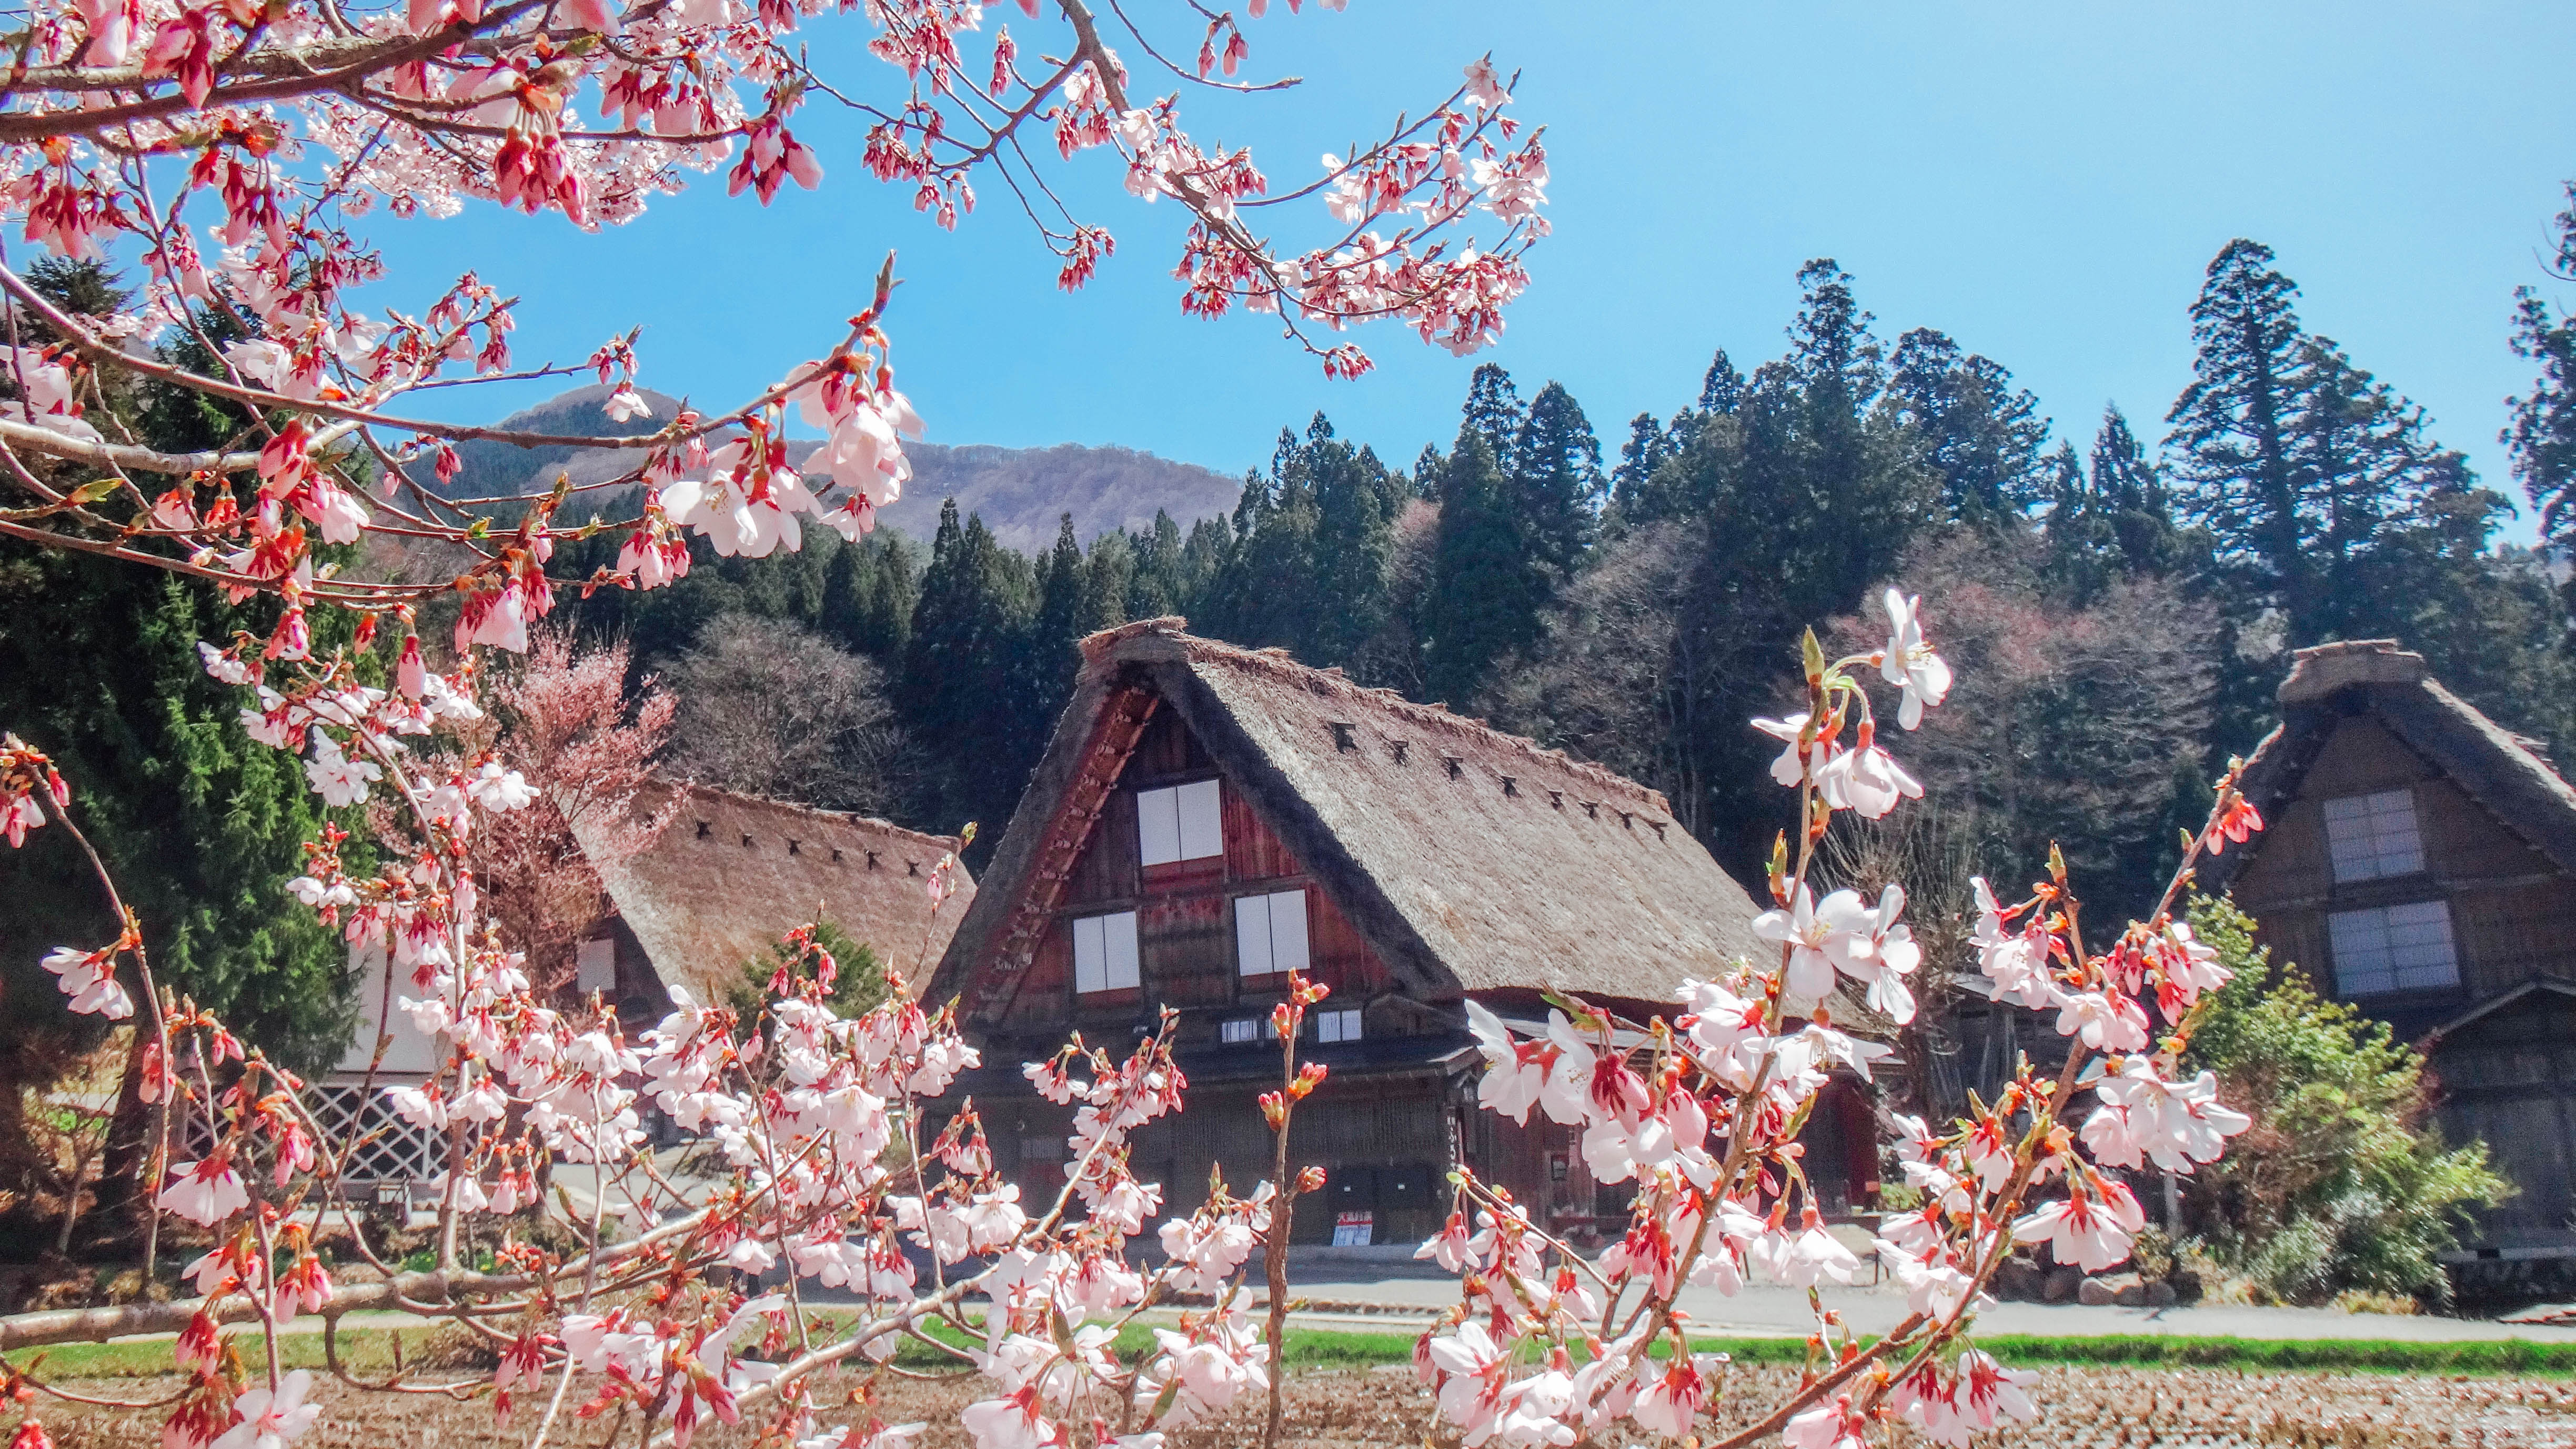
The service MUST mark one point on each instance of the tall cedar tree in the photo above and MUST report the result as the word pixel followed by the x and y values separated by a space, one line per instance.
pixel 2542 435
pixel 1649 444
pixel 1982 435
pixel 1049 658
pixel 1486 590
pixel 2232 428
pixel 1494 412
pixel 1107 577
pixel 959 674
pixel 1557 481
pixel 2112 522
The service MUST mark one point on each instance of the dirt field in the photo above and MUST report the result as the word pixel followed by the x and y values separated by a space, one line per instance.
pixel 1348 1409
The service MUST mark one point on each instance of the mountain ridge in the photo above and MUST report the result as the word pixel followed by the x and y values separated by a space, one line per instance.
pixel 1019 492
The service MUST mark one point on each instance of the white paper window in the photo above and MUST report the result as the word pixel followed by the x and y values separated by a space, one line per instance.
pixel 2393 948
pixel 1270 932
pixel 1104 952
pixel 1342 1025
pixel 595 967
pixel 1179 822
pixel 1242 1029
pixel 2372 836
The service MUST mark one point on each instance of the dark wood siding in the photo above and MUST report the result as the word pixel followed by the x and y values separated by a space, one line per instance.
pixel 1185 918
pixel 2509 1077
pixel 2508 903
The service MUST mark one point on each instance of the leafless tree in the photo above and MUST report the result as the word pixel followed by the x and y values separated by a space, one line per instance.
pixel 769 708
pixel 2069 725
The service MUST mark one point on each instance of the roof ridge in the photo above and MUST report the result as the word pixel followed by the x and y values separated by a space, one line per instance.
pixel 877 823
pixel 1282 665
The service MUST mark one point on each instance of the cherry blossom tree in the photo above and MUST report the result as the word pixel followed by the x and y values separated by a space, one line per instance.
pixel 587 748
pixel 1702 1110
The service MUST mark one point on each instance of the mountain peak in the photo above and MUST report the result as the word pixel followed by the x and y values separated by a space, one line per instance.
pixel 1019 492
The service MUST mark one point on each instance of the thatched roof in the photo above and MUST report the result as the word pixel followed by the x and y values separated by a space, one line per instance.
pixel 1474 860
pixel 734 873
pixel 2503 771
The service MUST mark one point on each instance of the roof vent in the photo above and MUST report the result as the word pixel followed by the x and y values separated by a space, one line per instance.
pixel 1511 786
pixel 1398 748
pixel 2320 671
pixel 1556 799
pixel 912 867
pixel 1592 809
pixel 1342 735
pixel 791 848
pixel 1456 764
pixel 746 840
pixel 1659 827
pixel 1628 818
pixel 836 855
pixel 703 831
pixel 872 860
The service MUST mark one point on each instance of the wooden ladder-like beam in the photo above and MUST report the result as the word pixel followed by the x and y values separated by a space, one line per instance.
pixel 1113 739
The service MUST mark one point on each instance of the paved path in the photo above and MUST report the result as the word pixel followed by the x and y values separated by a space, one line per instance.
pixel 1765 1310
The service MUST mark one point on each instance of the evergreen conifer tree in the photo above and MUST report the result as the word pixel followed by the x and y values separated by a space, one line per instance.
pixel 2232 427
pixel 2542 433
pixel 960 671
pixel 1649 444
pixel 1556 481
pixel 1486 589
pixel 1493 412
pixel 1983 435
pixel 1107 577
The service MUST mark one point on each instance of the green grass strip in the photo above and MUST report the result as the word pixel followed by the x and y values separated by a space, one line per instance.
pixel 370 1351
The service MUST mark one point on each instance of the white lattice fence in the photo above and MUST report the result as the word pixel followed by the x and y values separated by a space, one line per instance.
pixel 381 1147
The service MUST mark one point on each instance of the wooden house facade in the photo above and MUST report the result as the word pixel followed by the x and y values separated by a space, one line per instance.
pixel 1208 818
pixel 2419 862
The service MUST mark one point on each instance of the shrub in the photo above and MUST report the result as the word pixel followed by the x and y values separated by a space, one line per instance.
pixel 2344 1182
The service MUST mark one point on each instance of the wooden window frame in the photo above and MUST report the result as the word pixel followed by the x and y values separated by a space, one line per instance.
pixel 1110 928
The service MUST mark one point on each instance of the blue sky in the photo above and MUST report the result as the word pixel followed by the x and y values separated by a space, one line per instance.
pixel 2045 182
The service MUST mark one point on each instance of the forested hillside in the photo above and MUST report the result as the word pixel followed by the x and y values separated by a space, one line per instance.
pixel 2120 591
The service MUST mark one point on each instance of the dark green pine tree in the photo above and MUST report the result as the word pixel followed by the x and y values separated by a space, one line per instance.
pixel 2115 522
pixel 1107 578
pixel 1261 595
pixel 1982 434
pixel 2232 431
pixel 1556 481
pixel 1356 503
pixel 1157 587
pixel 868 596
pixel 1486 589
pixel 2542 433
pixel 1721 389
pixel 1649 444
pixel 1493 412
pixel 1426 473
pixel 1049 659
pixel 1839 368
pixel 959 673
pixel 2363 464
pixel 2131 487
pixel 200 826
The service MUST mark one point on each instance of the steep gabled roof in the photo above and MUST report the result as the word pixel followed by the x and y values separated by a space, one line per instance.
pixel 2499 769
pixel 734 873
pixel 1473 859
